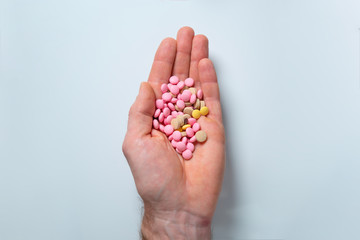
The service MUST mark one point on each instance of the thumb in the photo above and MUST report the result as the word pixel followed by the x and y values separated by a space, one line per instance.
pixel 141 112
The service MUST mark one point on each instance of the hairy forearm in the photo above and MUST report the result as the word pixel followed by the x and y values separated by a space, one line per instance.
pixel 175 225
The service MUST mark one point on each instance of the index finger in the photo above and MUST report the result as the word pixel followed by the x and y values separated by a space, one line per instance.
pixel 163 64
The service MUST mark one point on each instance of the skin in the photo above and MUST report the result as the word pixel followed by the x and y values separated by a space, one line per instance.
pixel 179 196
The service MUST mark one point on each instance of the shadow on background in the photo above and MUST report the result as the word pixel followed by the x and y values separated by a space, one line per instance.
pixel 224 222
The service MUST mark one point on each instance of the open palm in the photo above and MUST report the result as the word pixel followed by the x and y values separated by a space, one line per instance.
pixel 171 187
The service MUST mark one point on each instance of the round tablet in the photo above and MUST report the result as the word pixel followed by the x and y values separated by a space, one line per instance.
pixel 201 136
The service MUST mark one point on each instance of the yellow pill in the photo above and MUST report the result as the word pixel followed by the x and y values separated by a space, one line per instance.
pixel 204 111
pixel 196 114
pixel 186 126
pixel 180 129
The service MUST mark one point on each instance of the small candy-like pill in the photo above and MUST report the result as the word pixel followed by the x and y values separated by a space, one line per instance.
pixel 180 146
pixel 174 89
pixel 174 113
pixel 196 114
pixel 168 129
pixel 191 121
pixel 192 90
pixel 180 113
pixel 193 139
pixel 199 94
pixel 193 98
pixel 181 84
pixel 173 100
pixel 197 104
pixel 187 116
pixel 171 106
pixel 156 124
pixel 180 104
pixel 174 143
pixel 161 117
pixel 204 111
pixel 186 126
pixel 175 123
pixel 189 82
pixel 201 136
pixel 188 104
pixel 202 104
pixel 190 132
pixel 183 134
pixel 171 137
pixel 184 140
pixel 190 146
pixel 176 135
pixel 187 154
pixel 180 119
pixel 185 95
pixel 168 119
pixel 196 127
pixel 188 110
pixel 157 113
pixel 161 127
pixel 174 80
pixel 159 103
pixel 167 97
pixel 166 112
pixel 164 87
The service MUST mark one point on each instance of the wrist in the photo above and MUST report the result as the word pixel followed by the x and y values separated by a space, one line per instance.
pixel 175 225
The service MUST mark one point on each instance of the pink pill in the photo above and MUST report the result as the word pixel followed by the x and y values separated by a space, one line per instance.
pixel 191 121
pixel 179 96
pixel 157 113
pixel 180 104
pixel 174 114
pixel 173 100
pixel 166 112
pixel 193 98
pixel 161 127
pixel 181 84
pixel 168 129
pixel 174 80
pixel 164 87
pixel 184 140
pixel 165 105
pixel 187 154
pixel 171 138
pixel 156 124
pixel 189 82
pixel 199 94
pixel 173 143
pixel 189 132
pixel 196 127
pixel 185 96
pixel 177 135
pixel 178 151
pixel 167 97
pixel 180 113
pixel 159 103
pixel 171 106
pixel 193 139
pixel 168 119
pixel 161 117
pixel 190 146
pixel 174 89
pixel 180 146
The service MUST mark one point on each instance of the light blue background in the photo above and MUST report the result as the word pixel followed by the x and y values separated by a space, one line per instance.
pixel 289 78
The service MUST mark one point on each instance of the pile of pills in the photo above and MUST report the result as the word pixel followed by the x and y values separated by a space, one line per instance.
pixel 177 113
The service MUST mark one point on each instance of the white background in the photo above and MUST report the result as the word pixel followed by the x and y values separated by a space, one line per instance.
pixel 290 88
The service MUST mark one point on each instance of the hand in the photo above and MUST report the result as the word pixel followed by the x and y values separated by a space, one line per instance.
pixel 179 196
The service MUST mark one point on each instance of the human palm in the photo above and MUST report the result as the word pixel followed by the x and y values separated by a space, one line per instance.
pixel 172 188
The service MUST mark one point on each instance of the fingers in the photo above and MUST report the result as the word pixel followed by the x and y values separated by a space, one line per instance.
pixel 163 64
pixel 200 50
pixel 141 112
pixel 210 88
pixel 183 52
